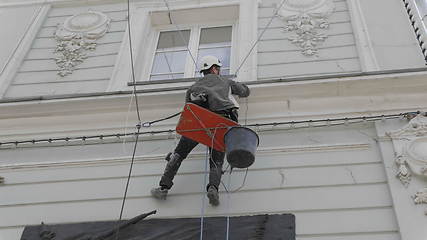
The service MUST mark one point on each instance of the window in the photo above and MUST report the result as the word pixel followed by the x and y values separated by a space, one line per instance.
pixel 223 28
pixel 172 59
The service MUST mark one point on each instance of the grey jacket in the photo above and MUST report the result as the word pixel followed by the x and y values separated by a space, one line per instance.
pixel 215 92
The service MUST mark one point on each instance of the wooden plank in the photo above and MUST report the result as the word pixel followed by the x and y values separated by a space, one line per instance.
pixel 52 76
pixel 367 220
pixel 285 45
pixel 11 233
pixel 101 49
pixel 68 11
pixel 338 178
pixel 275 2
pixel 297 56
pixel 326 200
pixel 268 11
pixel 356 236
pixel 49 31
pixel 51 42
pixel 54 21
pixel 50 65
pixel 194 163
pixel 337 17
pixel 310 68
pixel 334 29
pixel 56 88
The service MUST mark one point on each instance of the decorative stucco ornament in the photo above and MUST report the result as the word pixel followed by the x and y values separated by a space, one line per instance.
pixel 76 36
pixel 421 197
pixel 305 18
pixel 410 144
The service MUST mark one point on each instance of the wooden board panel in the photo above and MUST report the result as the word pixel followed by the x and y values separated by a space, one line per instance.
pixel 303 69
pixel 65 11
pixel 356 236
pixel 285 45
pixel 52 21
pixel 101 49
pixel 50 65
pixel 337 17
pixel 11 233
pixel 334 29
pixel 268 11
pixel 296 56
pixel 98 169
pixel 53 77
pixel 51 42
pixel 367 220
pixel 342 177
pixel 301 201
pixel 56 88
pixel 49 31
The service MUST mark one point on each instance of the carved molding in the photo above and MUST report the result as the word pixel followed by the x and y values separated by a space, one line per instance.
pixel 1 180
pixel 305 18
pixel 76 36
pixel 421 198
pixel 410 146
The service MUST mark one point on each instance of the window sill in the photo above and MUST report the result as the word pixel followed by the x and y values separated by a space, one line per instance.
pixel 177 80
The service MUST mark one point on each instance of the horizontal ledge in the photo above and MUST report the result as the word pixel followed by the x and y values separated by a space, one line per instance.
pixel 308 61
pixel 56 70
pixel 273 189
pixel 249 213
pixel 102 43
pixel 87 57
pixel 68 81
pixel 177 80
pixel 308 235
pixel 299 50
pixel 326 29
pixel 284 38
pixel 167 89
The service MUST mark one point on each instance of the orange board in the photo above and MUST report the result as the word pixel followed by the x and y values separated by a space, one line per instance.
pixel 204 126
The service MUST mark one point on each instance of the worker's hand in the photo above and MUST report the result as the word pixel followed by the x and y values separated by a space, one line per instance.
pixel 198 97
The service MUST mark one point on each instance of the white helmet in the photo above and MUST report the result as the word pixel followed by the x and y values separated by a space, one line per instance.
pixel 208 61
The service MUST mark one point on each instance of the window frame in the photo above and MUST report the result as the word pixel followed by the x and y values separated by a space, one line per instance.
pixel 193 46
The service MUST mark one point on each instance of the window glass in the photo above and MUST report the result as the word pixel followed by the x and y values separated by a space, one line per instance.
pixel 216 42
pixel 171 54
pixel 218 36
pixel 169 62
pixel 173 39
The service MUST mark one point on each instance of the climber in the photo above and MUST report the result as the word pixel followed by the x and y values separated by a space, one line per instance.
pixel 214 93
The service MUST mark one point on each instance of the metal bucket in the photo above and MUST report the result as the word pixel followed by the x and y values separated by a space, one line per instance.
pixel 240 146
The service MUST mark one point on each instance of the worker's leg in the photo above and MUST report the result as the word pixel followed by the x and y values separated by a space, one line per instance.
pixel 175 159
pixel 215 163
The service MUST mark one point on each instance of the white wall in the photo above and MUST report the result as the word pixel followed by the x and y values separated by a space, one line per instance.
pixel 331 178
pixel 11 34
pixel 392 35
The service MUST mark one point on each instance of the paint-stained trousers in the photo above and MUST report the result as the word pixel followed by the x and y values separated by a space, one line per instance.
pixel 185 146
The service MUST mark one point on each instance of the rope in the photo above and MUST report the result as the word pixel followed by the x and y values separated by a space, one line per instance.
pixel 131 61
pixel 202 210
pixel 328 122
pixel 179 32
pixel 138 126
pixel 148 124
pixel 227 236
pixel 128 179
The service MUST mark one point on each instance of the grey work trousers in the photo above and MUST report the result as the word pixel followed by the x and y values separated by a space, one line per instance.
pixel 184 147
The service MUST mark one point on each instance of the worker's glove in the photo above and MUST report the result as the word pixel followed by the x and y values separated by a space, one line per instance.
pixel 198 98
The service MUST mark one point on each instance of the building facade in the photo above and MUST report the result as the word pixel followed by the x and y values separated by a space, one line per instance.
pixel 331 82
